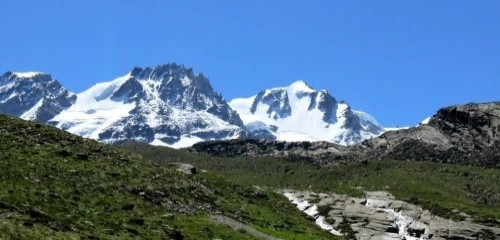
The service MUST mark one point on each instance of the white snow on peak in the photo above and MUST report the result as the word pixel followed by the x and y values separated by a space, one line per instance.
pixel 27 74
pixel 303 123
pixel 366 117
pixel 425 121
pixel 299 86
pixel 94 110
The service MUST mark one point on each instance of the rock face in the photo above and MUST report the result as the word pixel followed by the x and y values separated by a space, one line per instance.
pixel 33 96
pixel 168 105
pixel 458 134
pixel 379 216
pixel 300 113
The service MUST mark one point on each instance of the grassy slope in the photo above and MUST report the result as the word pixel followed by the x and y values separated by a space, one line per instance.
pixel 53 184
pixel 438 187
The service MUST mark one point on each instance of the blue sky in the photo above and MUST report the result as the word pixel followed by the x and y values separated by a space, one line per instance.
pixel 397 60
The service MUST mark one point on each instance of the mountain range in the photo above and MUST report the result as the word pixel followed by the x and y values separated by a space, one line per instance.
pixel 170 105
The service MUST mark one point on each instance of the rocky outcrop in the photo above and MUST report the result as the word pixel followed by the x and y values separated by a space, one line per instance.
pixel 309 152
pixel 459 134
pixel 379 215
pixel 185 168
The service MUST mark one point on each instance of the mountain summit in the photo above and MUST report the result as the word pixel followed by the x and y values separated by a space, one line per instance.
pixel 33 96
pixel 300 113
pixel 168 105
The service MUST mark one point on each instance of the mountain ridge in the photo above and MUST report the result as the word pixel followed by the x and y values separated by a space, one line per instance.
pixel 171 105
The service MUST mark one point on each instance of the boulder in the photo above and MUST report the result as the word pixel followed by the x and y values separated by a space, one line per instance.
pixel 186 168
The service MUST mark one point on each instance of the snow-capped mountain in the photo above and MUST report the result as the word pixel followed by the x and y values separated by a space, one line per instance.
pixel 33 96
pixel 300 113
pixel 167 105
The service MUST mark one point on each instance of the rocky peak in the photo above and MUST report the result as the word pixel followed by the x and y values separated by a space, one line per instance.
pixel 279 106
pixel 174 84
pixel 165 105
pixel 33 96
pixel 281 112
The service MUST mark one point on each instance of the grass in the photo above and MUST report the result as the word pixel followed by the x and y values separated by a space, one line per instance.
pixel 441 188
pixel 59 186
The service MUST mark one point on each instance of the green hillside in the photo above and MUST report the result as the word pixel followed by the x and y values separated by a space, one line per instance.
pixel 441 188
pixel 54 185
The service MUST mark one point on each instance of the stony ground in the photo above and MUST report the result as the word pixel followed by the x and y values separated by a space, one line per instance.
pixel 379 215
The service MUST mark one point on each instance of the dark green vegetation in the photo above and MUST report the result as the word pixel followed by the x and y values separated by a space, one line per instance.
pixel 57 185
pixel 441 188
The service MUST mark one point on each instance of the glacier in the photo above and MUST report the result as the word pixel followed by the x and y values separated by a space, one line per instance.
pixel 299 113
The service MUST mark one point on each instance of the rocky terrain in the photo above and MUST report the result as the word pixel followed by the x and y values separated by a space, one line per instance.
pixel 379 215
pixel 457 134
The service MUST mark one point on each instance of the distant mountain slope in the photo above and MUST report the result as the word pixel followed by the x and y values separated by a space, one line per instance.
pixel 300 113
pixel 167 105
pixel 33 96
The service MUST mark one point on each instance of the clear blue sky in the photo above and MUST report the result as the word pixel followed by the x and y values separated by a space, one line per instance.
pixel 397 60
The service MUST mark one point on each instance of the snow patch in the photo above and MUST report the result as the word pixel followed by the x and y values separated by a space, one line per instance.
pixel 425 121
pixel 184 141
pixel 387 129
pixel 299 86
pixel 94 110
pixel 31 113
pixel 295 137
pixel 27 74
